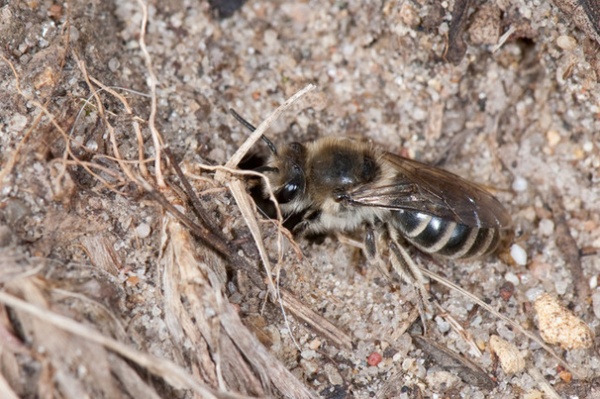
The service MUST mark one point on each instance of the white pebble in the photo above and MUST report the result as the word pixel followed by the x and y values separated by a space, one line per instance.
pixel 594 282
pixel 408 363
pixel 561 286
pixel 519 184
pixel 512 278
pixel 270 38
pixel 546 227
pixel 17 123
pixel 309 367
pixel 442 325
pixel 91 145
pixel 533 293
pixel 142 230
pixel 596 304
pixel 114 64
pixel 518 254
pixel 333 375
pixel 566 42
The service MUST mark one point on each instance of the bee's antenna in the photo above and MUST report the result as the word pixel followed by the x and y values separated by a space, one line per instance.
pixel 269 144
pixel 250 127
pixel 241 120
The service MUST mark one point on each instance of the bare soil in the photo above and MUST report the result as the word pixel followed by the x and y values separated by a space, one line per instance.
pixel 108 291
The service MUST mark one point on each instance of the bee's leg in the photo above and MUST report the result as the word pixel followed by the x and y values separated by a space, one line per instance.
pixel 300 228
pixel 375 246
pixel 370 245
pixel 376 236
pixel 410 273
pixel 306 219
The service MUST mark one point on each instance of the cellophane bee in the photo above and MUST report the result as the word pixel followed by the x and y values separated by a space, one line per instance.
pixel 342 185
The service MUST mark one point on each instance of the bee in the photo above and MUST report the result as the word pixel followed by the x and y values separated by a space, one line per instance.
pixel 344 185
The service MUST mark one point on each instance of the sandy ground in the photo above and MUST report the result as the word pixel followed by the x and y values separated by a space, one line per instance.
pixel 81 237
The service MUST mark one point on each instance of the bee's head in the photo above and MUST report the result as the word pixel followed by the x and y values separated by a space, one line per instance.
pixel 286 172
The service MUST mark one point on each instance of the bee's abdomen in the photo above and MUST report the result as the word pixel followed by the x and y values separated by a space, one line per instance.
pixel 444 237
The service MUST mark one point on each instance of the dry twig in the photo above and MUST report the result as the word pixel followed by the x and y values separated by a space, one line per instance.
pixel 174 374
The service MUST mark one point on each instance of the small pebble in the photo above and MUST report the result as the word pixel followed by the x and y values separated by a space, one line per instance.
pixel 442 325
pixel 553 137
pixel 308 354
pixel 539 269
pixel 546 227
pixel 6 236
pixel 512 278
pixel 374 359
pixel 507 290
pixel 17 123
pixel 91 145
pixel 309 367
pixel 565 376
pixel 408 364
pixel 596 304
pixel 594 282
pixel 15 210
pixel 314 344
pixel 409 15
pixel 333 375
pixel 519 184
pixel 442 378
pixel 533 394
pixel 506 333
pixel 561 286
pixel 566 42
pixel 114 64
pixel 518 254
pixel 270 38
pixel 142 230
pixel 533 293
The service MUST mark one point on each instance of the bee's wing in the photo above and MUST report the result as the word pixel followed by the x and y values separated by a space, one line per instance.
pixel 418 187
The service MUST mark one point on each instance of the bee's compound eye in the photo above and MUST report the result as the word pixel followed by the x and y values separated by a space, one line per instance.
pixel 287 192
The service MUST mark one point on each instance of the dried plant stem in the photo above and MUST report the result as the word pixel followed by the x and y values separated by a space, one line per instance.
pixel 320 324
pixel 171 372
pixel 156 138
pixel 68 152
pixel 6 390
pixel 244 202
pixel 549 392
pixel 279 222
pixel 262 128
pixel 136 125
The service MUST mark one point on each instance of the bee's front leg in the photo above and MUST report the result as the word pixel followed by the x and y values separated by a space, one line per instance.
pixel 310 219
